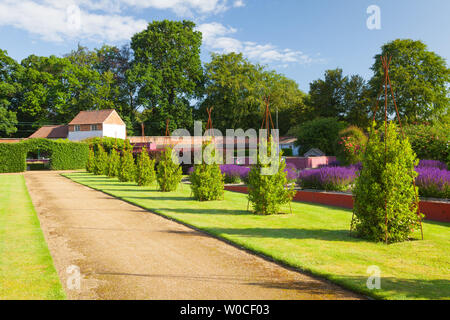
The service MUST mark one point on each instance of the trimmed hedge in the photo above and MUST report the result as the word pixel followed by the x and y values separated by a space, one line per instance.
pixel 65 155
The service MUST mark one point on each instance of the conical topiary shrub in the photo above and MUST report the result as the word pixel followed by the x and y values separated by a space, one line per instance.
pixel 113 163
pixel 145 169
pixel 207 180
pixel 268 193
pixel 169 173
pixel 386 181
pixel 127 166
pixel 100 161
pixel 90 161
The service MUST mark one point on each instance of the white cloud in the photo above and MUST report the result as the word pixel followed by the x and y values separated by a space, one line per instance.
pixel 217 38
pixel 57 22
pixel 238 4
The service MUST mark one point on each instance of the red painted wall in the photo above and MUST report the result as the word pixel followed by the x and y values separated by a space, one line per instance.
pixel 433 210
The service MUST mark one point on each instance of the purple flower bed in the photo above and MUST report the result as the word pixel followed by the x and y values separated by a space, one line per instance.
pixel 433 182
pixel 291 170
pixel 234 173
pixel 328 178
pixel 432 164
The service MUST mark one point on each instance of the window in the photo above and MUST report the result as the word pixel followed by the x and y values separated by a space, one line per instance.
pixel 94 127
pixel 76 127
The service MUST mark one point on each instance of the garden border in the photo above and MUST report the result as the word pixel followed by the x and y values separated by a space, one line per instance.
pixel 433 209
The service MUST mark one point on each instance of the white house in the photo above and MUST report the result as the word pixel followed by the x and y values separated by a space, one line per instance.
pixel 289 143
pixel 97 123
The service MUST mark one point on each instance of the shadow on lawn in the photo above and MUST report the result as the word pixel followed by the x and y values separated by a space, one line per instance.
pixel 406 288
pixel 289 233
pixel 206 211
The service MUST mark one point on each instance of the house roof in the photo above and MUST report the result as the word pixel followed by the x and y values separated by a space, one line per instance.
pixel 287 140
pixel 51 132
pixel 93 117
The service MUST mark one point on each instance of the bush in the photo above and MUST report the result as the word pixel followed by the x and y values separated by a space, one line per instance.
pixel 13 157
pixel 432 164
pixel 350 145
pixel 430 141
pixel 268 193
pixel 169 173
pixel 91 160
pixel 107 143
pixel 287 152
pixel 113 163
pixel 127 167
pixel 207 181
pixel 379 185
pixel 65 155
pixel 145 169
pixel 433 182
pixel 100 162
pixel 319 133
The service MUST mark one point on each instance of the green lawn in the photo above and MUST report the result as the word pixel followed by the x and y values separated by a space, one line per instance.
pixel 314 238
pixel 26 266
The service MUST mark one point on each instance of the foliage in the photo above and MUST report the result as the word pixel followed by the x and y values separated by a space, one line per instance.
pixel 432 164
pixel 8 122
pixel 169 173
pixel 433 182
pixel 236 88
pixel 8 89
pixel 385 181
pixel 65 155
pixel 167 71
pixel 100 162
pixel 127 167
pixel 350 145
pixel 328 178
pixel 319 133
pixel 90 161
pixel 207 180
pixel 430 141
pixel 145 169
pixel 268 193
pixel 113 163
pixel 12 157
pixel 107 143
pixel 339 96
pixel 419 77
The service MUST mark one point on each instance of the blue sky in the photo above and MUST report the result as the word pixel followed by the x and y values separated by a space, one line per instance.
pixel 300 38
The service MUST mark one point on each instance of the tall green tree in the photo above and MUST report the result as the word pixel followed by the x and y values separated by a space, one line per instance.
pixel 420 79
pixel 8 89
pixel 167 71
pixel 236 89
pixel 344 97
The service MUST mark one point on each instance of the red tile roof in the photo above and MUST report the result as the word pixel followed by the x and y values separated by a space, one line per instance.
pixel 51 132
pixel 92 117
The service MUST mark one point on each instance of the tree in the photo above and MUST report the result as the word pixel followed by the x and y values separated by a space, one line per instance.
pixel 386 181
pixel 113 163
pixel 236 89
pixel 268 192
pixel 100 162
pixel 127 167
pixel 342 97
pixel 207 179
pixel 145 169
pixel 169 173
pixel 8 89
pixel 90 161
pixel 167 71
pixel 319 133
pixel 419 78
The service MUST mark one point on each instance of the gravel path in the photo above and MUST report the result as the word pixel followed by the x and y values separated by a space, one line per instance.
pixel 125 252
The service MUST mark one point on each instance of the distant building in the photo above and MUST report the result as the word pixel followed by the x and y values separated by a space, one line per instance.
pixel 314 152
pixel 87 124
pixel 97 123
pixel 289 143
pixel 51 132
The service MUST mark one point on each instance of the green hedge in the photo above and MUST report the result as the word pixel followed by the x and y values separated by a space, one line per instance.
pixel 12 157
pixel 65 155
